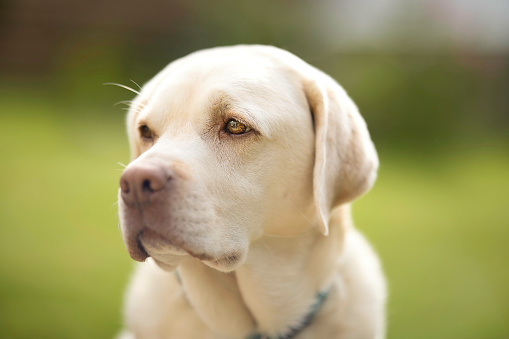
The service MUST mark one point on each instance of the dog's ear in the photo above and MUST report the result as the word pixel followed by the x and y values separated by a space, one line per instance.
pixel 346 161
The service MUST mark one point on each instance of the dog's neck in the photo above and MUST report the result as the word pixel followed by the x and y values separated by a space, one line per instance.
pixel 273 290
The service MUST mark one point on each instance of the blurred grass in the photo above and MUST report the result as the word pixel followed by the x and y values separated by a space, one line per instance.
pixel 439 223
pixel 63 266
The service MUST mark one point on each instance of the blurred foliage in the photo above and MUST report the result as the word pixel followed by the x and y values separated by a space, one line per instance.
pixel 412 96
pixel 439 118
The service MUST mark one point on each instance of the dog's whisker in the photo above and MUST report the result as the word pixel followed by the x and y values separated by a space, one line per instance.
pixel 137 106
pixel 134 82
pixel 119 229
pixel 121 164
pixel 125 87
pixel 131 104
pixel 124 102
pixel 137 110
pixel 115 204
pixel 141 104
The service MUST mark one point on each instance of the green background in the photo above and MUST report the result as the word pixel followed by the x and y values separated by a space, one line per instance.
pixel 437 215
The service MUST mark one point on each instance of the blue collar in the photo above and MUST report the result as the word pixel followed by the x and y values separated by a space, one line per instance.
pixel 317 305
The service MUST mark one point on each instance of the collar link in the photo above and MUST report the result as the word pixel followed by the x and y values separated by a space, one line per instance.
pixel 307 320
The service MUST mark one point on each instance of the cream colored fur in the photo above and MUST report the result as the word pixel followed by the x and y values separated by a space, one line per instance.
pixel 258 224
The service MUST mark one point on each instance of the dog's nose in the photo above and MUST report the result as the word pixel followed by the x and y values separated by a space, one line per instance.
pixel 139 183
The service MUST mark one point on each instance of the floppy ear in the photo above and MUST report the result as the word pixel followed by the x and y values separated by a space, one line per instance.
pixel 345 157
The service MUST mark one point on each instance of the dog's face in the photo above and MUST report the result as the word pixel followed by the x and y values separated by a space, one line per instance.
pixel 227 146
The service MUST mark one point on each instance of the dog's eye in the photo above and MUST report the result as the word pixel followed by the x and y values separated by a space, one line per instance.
pixel 145 132
pixel 236 127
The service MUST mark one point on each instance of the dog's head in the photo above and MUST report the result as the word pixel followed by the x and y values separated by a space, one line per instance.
pixel 232 143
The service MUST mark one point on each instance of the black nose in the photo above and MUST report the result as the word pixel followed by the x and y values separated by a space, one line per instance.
pixel 139 183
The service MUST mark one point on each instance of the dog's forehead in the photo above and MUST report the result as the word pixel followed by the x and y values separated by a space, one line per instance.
pixel 194 87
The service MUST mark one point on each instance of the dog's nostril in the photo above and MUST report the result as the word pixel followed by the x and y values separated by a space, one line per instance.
pixel 146 186
pixel 124 186
pixel 139 183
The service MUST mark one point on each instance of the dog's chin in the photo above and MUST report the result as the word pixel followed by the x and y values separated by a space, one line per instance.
pixel 228 262
pixel 164 253
pixel 168 255
pixel 167 265
pixel 170 262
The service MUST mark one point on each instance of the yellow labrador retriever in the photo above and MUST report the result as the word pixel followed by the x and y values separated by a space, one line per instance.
pixel 244 162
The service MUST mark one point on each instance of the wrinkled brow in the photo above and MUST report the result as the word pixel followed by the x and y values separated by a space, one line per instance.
pixel 225 106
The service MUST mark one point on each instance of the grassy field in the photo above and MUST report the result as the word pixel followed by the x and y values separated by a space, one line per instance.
pixel 439 223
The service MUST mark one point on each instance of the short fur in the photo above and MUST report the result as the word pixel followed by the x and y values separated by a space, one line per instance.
pixel 256 224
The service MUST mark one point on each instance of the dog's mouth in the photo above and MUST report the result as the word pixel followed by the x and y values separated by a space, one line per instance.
pixel 170 243
pixel 168 255
pixel 155 244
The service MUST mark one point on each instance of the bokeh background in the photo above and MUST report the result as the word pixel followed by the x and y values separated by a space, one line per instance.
pixel 431 77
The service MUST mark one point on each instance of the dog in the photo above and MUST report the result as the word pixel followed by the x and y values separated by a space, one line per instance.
pixel 245 160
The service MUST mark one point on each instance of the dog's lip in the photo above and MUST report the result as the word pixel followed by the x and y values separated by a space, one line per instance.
pixel 156 244
pixel 227 262
pixel 232 258
pixel 162 249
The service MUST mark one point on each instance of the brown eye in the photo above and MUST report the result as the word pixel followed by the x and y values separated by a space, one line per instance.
pixel 236 127
pixel 145 132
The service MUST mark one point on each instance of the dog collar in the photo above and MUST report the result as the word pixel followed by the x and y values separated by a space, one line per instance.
pixel 315 308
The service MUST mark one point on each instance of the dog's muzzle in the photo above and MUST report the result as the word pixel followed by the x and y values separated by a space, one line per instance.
pixel 141 186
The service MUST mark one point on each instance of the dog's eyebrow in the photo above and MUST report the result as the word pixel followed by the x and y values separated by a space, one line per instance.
pixel 223 105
